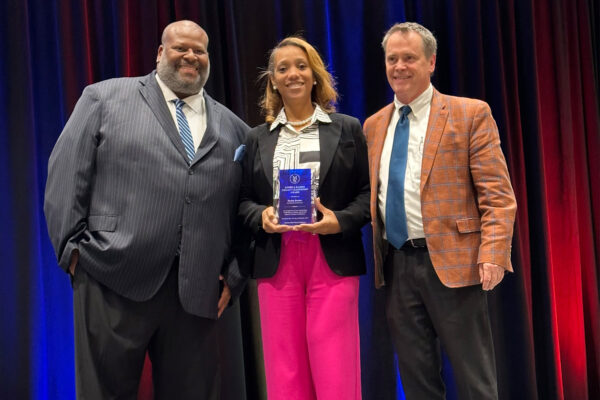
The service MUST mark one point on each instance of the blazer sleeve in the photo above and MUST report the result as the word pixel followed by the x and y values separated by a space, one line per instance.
pixel 235 269
pixel 250 210
pixel 356 214
pixel 495 196
pixel 71 170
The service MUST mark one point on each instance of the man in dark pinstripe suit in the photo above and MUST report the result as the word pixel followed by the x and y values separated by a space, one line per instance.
pixel 144 228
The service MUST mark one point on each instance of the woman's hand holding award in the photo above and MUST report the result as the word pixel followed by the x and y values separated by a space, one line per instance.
pixel 295 200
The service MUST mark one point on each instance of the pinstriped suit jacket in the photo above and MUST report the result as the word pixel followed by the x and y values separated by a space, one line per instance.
pixel 467 201
pixel 120 191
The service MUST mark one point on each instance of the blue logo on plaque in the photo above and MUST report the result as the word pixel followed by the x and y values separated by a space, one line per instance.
pixel 294 178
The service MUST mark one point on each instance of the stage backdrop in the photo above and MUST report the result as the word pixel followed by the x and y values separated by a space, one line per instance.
pixel 534 61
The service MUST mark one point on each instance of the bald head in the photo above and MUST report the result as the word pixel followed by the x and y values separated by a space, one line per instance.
pixel 182 59
pixel 174 28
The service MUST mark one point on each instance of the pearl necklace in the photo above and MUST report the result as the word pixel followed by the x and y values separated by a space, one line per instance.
pixel 299 123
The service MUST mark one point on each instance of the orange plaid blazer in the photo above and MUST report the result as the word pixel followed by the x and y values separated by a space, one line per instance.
pixel 467 200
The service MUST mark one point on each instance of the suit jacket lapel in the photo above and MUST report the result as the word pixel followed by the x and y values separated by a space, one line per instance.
pixel 381 129
pixel 213 123
pixel 156 101
pixel 438 116
pixel 329 137
pixel 266 147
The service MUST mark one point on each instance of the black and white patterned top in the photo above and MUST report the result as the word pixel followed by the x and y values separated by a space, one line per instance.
pixel 298 150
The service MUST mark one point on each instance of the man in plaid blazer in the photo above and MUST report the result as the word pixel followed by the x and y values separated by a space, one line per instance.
pixel 442 230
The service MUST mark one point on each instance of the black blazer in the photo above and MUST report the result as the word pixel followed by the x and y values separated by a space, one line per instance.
pixel 343 188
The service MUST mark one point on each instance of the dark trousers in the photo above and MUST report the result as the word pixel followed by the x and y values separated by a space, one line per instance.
pixel 112 335
pixel 422 313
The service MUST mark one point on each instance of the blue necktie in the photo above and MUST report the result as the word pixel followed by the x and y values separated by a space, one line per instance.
pixel 395 214
pixel 184 129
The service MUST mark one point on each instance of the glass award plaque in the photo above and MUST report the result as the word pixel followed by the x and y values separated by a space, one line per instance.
pixel 295 202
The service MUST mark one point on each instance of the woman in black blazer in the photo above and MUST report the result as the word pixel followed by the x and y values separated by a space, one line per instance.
pixel 307 273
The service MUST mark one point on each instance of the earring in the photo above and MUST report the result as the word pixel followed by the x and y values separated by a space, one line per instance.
pixel 274 87
pixel 315 83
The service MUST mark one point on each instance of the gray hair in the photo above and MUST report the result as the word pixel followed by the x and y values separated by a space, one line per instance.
pixel 429 42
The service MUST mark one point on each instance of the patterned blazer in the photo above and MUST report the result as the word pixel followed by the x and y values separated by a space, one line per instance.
pixel 467 201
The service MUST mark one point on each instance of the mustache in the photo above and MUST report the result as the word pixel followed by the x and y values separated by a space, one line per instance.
pixel 187 64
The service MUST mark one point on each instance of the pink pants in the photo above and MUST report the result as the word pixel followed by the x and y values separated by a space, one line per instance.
pixel 309 321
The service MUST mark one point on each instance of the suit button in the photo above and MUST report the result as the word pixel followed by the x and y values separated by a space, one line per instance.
pixel 188 200
pixel 190 172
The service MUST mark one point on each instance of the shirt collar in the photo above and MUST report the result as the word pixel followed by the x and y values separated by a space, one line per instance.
pixel 195 101
pixel 418 105
pixel 318 115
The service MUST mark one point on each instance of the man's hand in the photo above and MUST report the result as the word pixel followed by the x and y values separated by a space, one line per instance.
pixel 225 296
pixel 74 261
pixel 326 226
pixel 270 224
pixel 490 275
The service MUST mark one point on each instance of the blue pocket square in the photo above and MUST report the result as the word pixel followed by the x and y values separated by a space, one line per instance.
pixel 239 153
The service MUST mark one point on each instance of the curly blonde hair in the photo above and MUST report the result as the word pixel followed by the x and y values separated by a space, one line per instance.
pixel 323 93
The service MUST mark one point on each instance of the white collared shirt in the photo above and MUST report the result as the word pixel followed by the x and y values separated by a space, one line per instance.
pixel 194 110
pixel 318 115
pixel 419 118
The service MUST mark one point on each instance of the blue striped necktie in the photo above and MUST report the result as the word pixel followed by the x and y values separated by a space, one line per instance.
pixel 395 213
pixel 184 129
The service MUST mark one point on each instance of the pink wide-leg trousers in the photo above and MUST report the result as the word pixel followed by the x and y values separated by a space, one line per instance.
pixel 309 321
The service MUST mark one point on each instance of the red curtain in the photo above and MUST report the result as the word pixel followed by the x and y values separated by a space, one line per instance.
pixel 569 139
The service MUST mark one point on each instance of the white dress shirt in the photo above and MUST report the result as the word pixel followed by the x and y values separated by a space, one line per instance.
pixel 194 110
pixel 419 119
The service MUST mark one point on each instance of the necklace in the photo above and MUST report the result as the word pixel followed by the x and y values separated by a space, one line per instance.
pixel 298 123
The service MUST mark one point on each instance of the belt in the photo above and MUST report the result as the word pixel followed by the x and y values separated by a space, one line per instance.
pixel 419 243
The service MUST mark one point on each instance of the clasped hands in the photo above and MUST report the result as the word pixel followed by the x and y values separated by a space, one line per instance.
pixel 326 226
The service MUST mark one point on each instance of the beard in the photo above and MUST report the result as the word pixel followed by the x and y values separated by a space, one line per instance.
pixel 169 75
